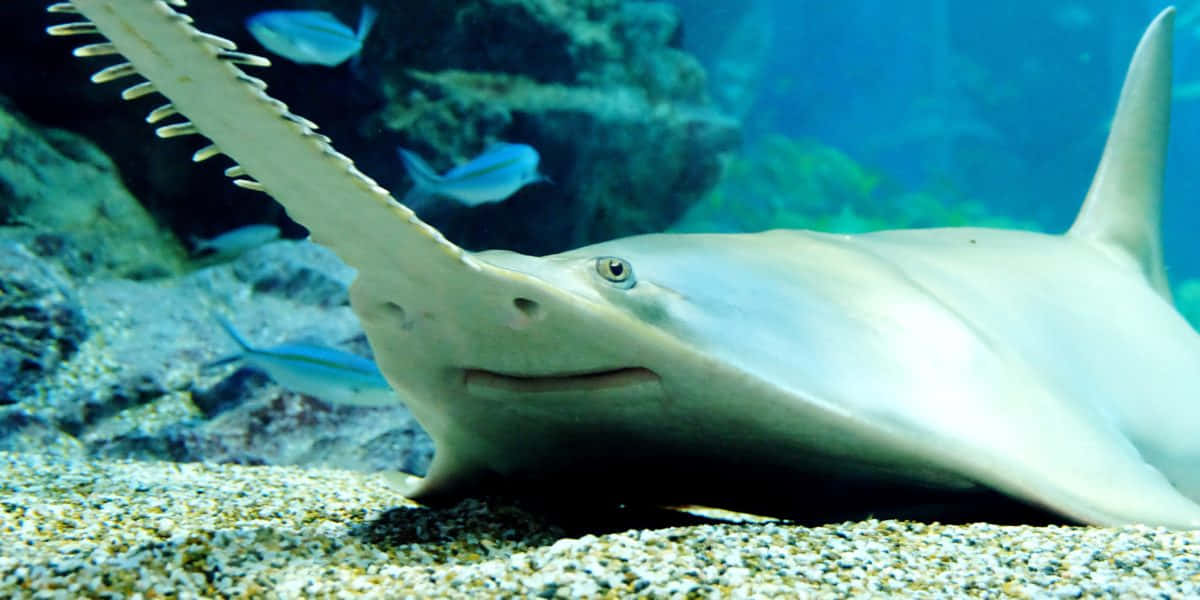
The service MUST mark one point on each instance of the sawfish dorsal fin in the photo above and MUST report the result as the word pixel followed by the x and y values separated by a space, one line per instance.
pixel 1123 208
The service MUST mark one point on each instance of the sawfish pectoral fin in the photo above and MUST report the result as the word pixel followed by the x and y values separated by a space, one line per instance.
pixel 1063 456
pixel 404 482
pixel 1126 491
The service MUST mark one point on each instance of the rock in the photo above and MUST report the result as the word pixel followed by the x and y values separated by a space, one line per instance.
pixel 274 427
pixel 302 272
pixel 23 431
pixel 41 321
pixel 58 247
pixel 72 199
pixel 229 392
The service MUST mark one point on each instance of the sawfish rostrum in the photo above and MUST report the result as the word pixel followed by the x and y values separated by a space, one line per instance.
pixel 1052 368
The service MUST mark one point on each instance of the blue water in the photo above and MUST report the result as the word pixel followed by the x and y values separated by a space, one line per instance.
pixel 1001 102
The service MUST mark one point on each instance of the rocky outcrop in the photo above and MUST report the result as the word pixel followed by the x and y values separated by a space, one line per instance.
pixel 72 201
pixel 137 386
pixel 300 273
pixel 41 321
pixel 619 113
pixel 103 340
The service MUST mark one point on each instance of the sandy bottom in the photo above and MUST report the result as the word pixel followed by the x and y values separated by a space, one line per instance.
pixel 125 529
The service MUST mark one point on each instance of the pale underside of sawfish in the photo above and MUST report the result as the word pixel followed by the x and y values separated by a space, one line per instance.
pixel 1052 368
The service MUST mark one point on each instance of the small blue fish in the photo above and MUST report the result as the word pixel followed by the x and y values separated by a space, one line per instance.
pixel 490 177
pixel 236 241
pixel 310 36
pixel 331 375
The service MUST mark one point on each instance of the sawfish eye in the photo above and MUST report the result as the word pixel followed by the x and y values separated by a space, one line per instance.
pixel 615 271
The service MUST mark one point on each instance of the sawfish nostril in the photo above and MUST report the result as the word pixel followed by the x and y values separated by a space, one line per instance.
pixel 395 309
pixel 529 308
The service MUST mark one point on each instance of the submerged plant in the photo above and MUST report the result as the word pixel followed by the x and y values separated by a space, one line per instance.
pixel 1187 300
pixel 803 184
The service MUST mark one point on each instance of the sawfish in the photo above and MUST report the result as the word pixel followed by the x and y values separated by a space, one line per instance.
pixel 1053 369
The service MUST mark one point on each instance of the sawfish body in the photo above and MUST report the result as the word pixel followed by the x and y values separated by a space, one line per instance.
pixel 1052 368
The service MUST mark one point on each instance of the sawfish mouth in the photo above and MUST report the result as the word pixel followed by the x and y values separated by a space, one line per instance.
pixel 587 380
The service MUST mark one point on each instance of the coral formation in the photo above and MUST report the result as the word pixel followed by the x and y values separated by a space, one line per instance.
pixel 600 88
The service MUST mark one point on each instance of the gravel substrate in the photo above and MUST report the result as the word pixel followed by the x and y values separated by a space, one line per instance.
pixel 120 529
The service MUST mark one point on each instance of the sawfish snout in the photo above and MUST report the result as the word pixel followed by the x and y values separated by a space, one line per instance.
pixel 558 317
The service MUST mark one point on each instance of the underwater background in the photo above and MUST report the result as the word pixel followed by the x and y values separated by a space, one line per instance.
pixel 999 105
pixel 189 406
pixel 681 115
pixel 993 108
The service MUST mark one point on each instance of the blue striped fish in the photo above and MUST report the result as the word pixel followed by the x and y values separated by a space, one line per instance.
pixel 310 36
pixel 234 242
pixel 331 375
pixel 492 176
